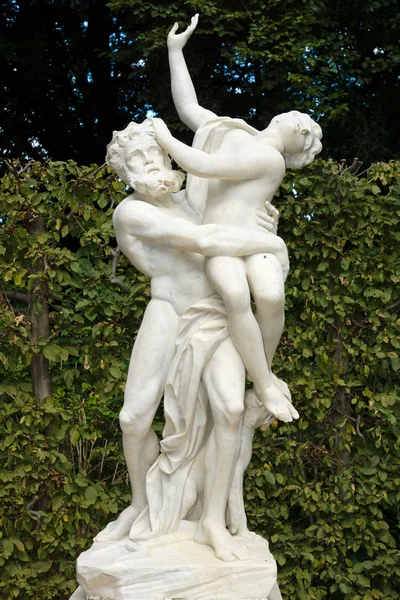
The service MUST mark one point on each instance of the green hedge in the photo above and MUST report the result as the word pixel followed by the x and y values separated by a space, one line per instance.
pixel 324 490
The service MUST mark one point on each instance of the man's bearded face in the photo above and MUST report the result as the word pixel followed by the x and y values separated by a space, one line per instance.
pixel 147 168
pixel 156 183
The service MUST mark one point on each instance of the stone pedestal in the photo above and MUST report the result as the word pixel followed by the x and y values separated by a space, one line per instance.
pixel 111 571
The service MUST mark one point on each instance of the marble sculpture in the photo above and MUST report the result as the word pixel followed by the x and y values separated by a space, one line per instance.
pixel 207 250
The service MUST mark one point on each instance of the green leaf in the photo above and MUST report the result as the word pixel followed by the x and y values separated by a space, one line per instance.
pixel 91 494
pixel 57 502
pixel 74 435
pixel 269 477
pixel 17 543
pixel 115 372
pixel 364 581
pixel 51 352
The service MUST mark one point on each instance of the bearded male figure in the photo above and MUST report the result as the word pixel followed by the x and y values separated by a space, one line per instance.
pixel 156 230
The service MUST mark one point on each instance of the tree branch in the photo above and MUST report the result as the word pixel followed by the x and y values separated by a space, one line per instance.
pixel 26 168
pixel 20 296
pixel 354 167
pixel 35 513
pixel 113 277
pixel 390 306
pixel 8 165
pixel 99 169
pixel 358 427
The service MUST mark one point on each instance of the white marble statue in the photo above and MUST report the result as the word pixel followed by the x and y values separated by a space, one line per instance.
pixel 156 230
pixel 206 250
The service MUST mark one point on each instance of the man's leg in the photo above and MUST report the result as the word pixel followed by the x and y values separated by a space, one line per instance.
pixel 254 415
pixel 236 514
pixel 224 378
pixel 151 358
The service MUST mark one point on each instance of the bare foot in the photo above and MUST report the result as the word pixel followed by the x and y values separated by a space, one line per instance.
pixel 225 547
pixel 118 529
pixel 279 406
pixel 237 520
pixel 282 386
pixel 139 548
pixel 252 535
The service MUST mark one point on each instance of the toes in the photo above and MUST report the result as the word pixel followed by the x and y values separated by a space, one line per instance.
pixel 233 529
pixel 287 419
pixel 104 535
pixel 294 412
pixel 226 556
pixel 285 416
pixel 241 554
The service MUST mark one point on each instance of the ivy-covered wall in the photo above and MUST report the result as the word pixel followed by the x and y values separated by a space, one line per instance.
pixel 325 490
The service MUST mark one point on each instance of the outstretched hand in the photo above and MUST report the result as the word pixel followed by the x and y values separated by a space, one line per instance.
pixel 178 41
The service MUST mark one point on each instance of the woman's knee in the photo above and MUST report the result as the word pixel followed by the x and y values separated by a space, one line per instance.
pixel 235 294
pixel 270 300
pixel 237 298
pixel 229 282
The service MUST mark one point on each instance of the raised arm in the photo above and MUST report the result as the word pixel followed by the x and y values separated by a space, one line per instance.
pixel 183 92
pixel 247 165
pixel 150 224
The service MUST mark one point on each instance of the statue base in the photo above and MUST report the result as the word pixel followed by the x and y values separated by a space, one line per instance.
pixel 125 571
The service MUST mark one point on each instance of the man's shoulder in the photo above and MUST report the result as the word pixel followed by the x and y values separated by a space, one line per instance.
pixel 133 208
pixel 132 215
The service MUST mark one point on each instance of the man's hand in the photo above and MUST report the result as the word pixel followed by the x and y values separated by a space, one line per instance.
pixel 161 131
pixel 269 219
pixel 178 42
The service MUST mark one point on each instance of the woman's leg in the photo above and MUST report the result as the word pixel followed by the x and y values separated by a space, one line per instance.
pixel 228 276
pixel 265 279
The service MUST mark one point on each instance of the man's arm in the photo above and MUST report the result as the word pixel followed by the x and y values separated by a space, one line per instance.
pixel 247 165
pixel 150 224
pixel 183 92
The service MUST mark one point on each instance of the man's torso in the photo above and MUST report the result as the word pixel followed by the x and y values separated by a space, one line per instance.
pixel 176 277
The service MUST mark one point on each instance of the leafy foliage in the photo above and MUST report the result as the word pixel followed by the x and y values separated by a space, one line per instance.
pixel 255 59
pixel 61 85
pixel 325 491
pixel 90 64
pixel 60 461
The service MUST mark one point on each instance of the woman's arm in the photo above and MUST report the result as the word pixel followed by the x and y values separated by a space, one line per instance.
pixel 183 92
pixel 248 165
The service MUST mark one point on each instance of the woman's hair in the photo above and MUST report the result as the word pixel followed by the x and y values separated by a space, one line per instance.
pixel 303 124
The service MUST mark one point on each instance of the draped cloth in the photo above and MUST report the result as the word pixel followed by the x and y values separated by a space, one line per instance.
pixel 202 330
